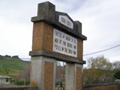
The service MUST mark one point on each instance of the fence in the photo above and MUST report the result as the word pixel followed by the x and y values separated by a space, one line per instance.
pixel 101 87
pixel 87 87
pixel 19 88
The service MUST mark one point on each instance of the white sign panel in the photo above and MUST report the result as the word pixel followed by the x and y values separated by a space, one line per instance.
pixel 64 43
pixel 65 21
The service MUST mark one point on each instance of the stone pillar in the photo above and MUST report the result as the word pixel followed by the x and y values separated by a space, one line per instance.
pixel 73 76
pixel 43 73
pixel 70 76
pixel 79 77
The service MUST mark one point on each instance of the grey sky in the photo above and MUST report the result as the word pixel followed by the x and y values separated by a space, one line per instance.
pixel 100 19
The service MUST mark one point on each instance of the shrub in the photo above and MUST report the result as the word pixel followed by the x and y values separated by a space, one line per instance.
pixel 17 82
pixel 27 82
pixel 117 75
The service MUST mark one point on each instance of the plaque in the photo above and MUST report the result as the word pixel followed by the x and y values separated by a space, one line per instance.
pixel 65 21
pixel 64 43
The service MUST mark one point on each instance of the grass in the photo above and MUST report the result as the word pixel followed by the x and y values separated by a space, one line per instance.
pixel 11 66
pixel 12 63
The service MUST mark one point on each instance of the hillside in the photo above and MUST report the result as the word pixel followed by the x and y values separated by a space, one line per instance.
pixel 12 63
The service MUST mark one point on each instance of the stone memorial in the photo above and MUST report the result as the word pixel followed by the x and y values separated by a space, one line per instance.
pixel 56 37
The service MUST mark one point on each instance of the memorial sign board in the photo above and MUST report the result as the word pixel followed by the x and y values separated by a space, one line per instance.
pixel 64 43
pixel 57 35
pixel 65 21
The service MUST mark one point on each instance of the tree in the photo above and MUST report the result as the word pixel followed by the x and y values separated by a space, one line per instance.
pixel 99 69
pixel 60 72
pixel 99 63
pixel 117 75
pixel 116 65
pixel 24 75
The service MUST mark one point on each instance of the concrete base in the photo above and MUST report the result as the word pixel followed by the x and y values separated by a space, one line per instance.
pixel 43 70
pixel 73 76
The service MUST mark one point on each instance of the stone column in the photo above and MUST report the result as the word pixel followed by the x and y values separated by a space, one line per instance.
pixel 73 76
pixel 79 77
pixel 43 73
pixel 70 76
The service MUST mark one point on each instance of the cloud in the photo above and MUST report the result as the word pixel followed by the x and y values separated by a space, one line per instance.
pixel 100 20
pixel 16 26
pixel 69 5
pixel 101 25
pixel 15 38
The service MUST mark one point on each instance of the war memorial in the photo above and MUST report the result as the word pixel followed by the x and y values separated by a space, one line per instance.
pixel 56 37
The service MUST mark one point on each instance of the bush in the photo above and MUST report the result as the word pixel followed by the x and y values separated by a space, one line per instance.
pixel 17 82
pixel 117 75
pixel 27 82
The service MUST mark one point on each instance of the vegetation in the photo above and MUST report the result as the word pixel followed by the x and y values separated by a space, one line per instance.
pixel 18 70
pixel 100 70
pixel 117 75
pixel 12 63
pixel 22 82
pixel 60 76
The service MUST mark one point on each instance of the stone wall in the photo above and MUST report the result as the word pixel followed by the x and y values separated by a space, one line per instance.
pixel 101 87
pixel 88 87
pixel 18 88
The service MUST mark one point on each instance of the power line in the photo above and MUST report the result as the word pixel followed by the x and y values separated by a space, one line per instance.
pixel 94 52
pixel 101 50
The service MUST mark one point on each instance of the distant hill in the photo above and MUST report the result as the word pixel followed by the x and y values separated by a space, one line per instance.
pixel 12 63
